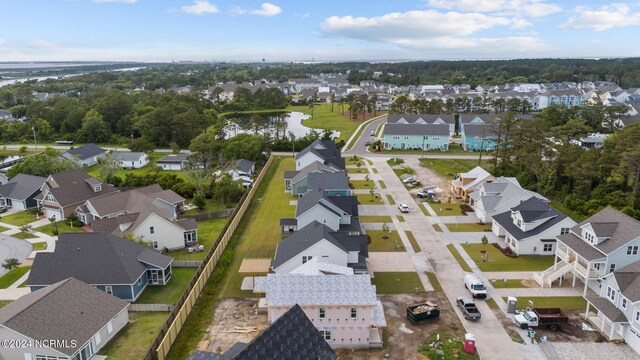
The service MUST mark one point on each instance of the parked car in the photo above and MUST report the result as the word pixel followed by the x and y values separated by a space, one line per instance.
pixel 404 208
pixel 468 308
pixel 551 317
pixel 426 193
pixel 475 287
pixel 409 179
pixel 3 209
pixel 367 143
pixel 373 132
pixel 420 312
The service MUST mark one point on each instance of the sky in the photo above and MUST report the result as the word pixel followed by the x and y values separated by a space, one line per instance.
pixel 325 30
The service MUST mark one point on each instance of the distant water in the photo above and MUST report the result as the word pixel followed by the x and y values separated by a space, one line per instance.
pixel 242 123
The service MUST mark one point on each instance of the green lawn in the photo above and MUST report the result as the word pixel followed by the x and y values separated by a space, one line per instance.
pixel 170 293
pixel 437 228
pixel 150 168
pixel 395 161
pixel 18 219
pixel 355 160
pixel 136 338
pixel 324 118
pixel 468 227
pixel 37 246
pixel 444 209
pixel 362 170
pixel 63 227
pixel 23 235
pixel 452 347
pixel 4 303
pixel 390 200
pixel 368 199
pixel 3 229
pixel 397 283
pixel 208 231
pixel 382 184
pixel 412 240
pixel 400 218
pixel 259 232
pixel 375 171
pixel 379 244
pixel 454 149
pixel 458 257
pixel 363 184
pixel 499 262
pixel 448 168
pixel 375 219
pixel 563 302
pixel 509 284
pixel 12 276
pixel 434 281
pixel 403 170
pixel 423 209
pixel 210 206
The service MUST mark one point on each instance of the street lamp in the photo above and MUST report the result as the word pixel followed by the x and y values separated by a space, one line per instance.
pixel 34 136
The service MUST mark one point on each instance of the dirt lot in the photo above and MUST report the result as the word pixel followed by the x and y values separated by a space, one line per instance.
pixel 427 178
pixel 403 338
pixel 572 332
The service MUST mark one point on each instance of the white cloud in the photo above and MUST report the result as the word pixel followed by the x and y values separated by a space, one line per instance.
pixel 603 18
pixel 523 8
pixel 200 7
pixel 116 1
pixel 266 9
pixel 43 45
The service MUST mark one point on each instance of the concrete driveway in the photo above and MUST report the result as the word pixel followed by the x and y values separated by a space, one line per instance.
pixel 11 247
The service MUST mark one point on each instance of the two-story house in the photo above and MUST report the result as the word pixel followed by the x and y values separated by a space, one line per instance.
pixel 324 151
pixel 617 306
pixel 316 240
pixel 424 119
pixel 62 193
pixel 464 184
pixel 599 245
pixel 296 182
pixel 344 308
pixel 119 267
pixel 85 155
pixel 531 227
pixel 498 196
pixel 339 213
pixel 416 136
pixel 20 192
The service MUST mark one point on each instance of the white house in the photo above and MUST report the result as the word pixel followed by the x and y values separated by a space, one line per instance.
pixel 324 151
pixel 339 213
pixel 86 155
pixel 173 162
pixel 531 227
pixel 21 191
pixel 599 245
pixel 617 306
pixel 130 160
pixel 498 196
pixel 318 241
pixel 83 318
pixel 344 308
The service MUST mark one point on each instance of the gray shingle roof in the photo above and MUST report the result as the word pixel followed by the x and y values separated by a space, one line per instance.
pixel 609 222
pixel 315 166
pixel 326 150
pixel 348 204
pixel 22 186
pixel 292 336
pixel 531 210
pixel 73 187
pixel 479 130
pixel 68 309
pixel 417 129
pixel 244 165
pixel 173 159
pixel 86 151
pixel 428 118
pixel 581 247
pixel 328 181
pixel 95 258
pixel 606 307
pixel 628 279
pixel 126 156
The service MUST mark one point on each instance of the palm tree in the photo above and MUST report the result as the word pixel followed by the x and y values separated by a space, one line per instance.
pixel 10 264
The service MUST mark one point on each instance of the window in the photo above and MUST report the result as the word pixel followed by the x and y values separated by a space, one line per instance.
pixel 611 294
pixel 154 244
pixel 354 313
pixel 623 303
pixel 564 231
pixel 322 313
pixel 140 280
pixel 98 339
pixel 632 250
pixel 637 315
pixel 108 289
pixel 306 258
pixel 97 188
pixel 547 247
pixel 612 268
pixel 435 138
pixel 49 197
pixel 152 230
pixel 109 327
pixel 326 334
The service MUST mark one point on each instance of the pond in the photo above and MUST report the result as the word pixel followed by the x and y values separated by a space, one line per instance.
pixel 276 124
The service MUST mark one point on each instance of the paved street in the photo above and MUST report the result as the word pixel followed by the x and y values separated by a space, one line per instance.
pixel 11 247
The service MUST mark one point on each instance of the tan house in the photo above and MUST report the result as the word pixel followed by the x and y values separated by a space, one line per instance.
pixel 465 183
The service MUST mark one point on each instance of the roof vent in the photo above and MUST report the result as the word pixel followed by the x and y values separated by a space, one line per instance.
pixel 78 248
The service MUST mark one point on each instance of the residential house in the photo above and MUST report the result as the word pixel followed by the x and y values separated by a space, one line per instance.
pixel 80 318
pixel 320 266
pixel 496 197
pixel 593 141
pixel 6 115
pixel 531 227
pixel 174 162
pixel 130 160
pixel 464 184
pixel 20 192
pixel 148 213
pixel 242 170
pixel 617 306
pixel 324 151
pixel 119 267
pixel 86 155
pixel 424 119
pixel 292 336
pixel 339 213
pixel 567 98
pixel 319 241
pixel 416 136
pixel 481 137
pixel 62 193
pixel 296 182
pixel 332 184
pixel 344 308
pixel 599 245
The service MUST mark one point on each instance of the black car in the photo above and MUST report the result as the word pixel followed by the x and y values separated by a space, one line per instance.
pixel 367 143
pixel 3 210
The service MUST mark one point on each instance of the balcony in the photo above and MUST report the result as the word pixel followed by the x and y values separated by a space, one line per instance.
pixel 563 254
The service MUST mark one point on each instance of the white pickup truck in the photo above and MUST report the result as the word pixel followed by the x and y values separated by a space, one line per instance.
pixel 475 286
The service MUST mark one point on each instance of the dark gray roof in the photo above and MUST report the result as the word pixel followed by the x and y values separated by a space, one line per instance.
pixel 479 130
pixel 531 210
pixel 581 247
pixel 292 336
pixel 326 150
pixel 72 187
pixel 68 309
pixel 467 118
pixel 244 165
pixel 428 118
pixel 417 129
pixel 348 204
pixel 609 222
pixel 290 174
pixel 126 156
pixel 606 307
pixel 628 279
pixel 173 159
pixel 312 234
pixel 288 222
pixel 95 258
pixel 86 151
pixel 328 181
pixel 314 167
pixel 22 186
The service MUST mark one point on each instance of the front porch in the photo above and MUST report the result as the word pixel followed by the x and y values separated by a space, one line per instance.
pixel 608 319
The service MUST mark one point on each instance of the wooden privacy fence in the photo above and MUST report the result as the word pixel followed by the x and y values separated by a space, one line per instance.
pixel 150 307
pixel 172 326
pixel 186 263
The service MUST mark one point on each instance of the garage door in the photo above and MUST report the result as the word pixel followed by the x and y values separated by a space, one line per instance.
pixel 633 339
pixel 49 213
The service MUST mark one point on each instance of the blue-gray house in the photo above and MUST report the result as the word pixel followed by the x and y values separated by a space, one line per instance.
pixel 117 266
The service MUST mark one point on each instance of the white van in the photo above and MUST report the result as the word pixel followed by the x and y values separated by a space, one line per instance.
pixel 475 286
